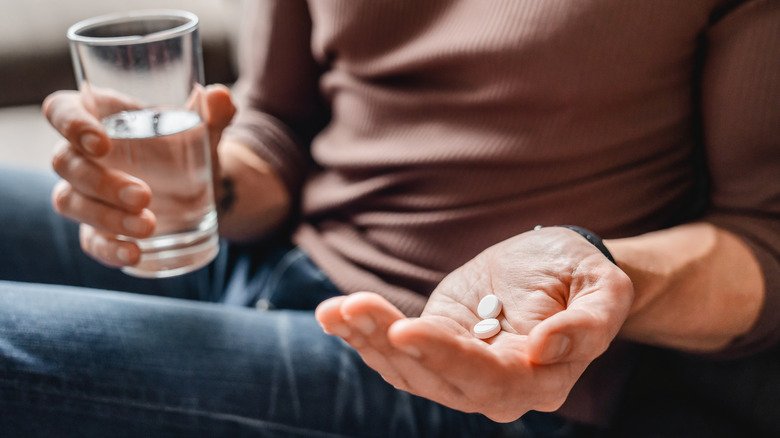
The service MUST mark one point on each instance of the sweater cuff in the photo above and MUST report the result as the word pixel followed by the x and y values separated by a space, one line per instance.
pixel 273 142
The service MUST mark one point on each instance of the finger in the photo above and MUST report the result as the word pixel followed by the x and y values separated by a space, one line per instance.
pixel 107 249
pixel 495 379
pixel 371 315
pixel 105 185
pixel 80 208
pixel 366 317
pixel 218 111
pixel 67 114
pixel 458 359
pixel 398 368
pixel 472 376
pixel 330 316
pixel 441 350
pixel 568 336
pixel 416 379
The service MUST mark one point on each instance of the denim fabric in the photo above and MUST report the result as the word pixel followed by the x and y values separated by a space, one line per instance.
pixel 185 356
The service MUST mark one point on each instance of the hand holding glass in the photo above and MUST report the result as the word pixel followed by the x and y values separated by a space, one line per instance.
pixel 141 74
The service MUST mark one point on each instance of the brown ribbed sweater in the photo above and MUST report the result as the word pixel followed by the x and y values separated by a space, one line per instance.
pixel 415 134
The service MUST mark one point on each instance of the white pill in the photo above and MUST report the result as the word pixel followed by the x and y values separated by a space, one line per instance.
pixel 487 328
pixel 489 307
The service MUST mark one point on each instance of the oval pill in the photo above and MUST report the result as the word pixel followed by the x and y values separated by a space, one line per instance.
pixel 489 307
pixel 487 328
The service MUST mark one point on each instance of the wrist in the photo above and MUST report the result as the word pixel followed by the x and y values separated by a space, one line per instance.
pixel 696 287
pixel 251 197
pixel 588 235
pixel 594 240
pixel 649 277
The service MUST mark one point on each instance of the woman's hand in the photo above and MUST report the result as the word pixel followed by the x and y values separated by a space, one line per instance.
pixel 108 202
pixel 563 303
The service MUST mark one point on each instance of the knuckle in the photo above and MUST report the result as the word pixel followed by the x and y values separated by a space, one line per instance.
pixel 85 234
pixel 61 159
pixel 112 220
pixel 624 281
pixel 97 251
pixel 101 250
pixel 84 243
pixel 49 104
pixel 61 196
pixel 403 385
pixel 108 185
pixel 98 247
pixel 397 385
pixel 70 125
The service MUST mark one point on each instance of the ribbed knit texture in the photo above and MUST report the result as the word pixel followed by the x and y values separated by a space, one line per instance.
pixel 456 124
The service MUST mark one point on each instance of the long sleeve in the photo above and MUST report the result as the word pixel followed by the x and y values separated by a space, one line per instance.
pixel 277 92
pixel 741 122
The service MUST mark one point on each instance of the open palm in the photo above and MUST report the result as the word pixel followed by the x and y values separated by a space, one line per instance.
pixel 563 300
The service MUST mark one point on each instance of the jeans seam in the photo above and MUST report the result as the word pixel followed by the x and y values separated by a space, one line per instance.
pixel 285 264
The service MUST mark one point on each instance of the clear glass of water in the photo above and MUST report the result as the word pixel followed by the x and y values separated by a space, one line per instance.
pixel 141 74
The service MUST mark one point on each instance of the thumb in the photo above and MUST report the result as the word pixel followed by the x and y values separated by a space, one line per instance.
pixel 572 335
pixel 218 111
pixel 591 320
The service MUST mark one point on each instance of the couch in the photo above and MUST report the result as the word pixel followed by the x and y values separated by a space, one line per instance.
pixel 35 60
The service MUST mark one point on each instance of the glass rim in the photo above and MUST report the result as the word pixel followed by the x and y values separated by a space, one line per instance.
pixel 190 24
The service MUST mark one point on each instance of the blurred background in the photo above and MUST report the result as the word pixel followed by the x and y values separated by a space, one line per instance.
pixel 35 61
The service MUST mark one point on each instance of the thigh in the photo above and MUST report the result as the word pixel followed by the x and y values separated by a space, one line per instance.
pixel 92 364
pixel 37 245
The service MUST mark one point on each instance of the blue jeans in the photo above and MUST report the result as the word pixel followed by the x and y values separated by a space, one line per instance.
pixel 88 351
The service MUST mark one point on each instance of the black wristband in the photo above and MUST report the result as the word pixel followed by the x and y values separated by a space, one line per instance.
pixel 590 237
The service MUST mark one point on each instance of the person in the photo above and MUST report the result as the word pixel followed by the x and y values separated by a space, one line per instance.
pixel 388 165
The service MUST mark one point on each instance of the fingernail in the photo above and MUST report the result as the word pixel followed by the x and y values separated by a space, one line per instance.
pixel 557 346
pixel 365 324
pixel 340 331
pixel 123 254
pixel 411 351
pixel 90 142
pixel 135 224
pixel 132 195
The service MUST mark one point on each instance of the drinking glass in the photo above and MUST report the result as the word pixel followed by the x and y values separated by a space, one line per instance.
pixel 141 74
